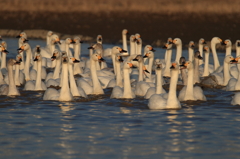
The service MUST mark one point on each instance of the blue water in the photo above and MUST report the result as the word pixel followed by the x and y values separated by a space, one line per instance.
pixel 100 127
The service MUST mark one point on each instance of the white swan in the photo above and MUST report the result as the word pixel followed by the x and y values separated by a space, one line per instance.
pixel 191 51
pixel 77 55
pixel 214 42
pixel 96 89
pixel 65 93
pixel 183 72
pixel 201 42
pixel 126 91
pixel 157 101
pixel 150 56
pixel 234 83
pixel 11 89
pixel 178 43
pixel 18 75
pixel 189 92
pixel 116 50
pixel 158 89
pixel 4 52
pixel 197 58
pixel 124 39
pixel 26 47
pixel 38 84
pixel 168 57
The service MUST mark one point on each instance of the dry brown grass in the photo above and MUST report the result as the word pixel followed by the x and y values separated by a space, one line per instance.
pixel 151 6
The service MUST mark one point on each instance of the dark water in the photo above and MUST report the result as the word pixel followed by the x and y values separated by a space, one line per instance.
pixel 100 127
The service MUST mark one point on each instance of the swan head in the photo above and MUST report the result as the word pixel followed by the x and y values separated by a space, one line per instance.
pixel 38 50
pixel 133 38
pixel 97 57
pixel 3 49
pixel 64 57
pixel 149 54
pixel 22 34
pixel 174 66
pixel 202 41
pixel 49 33
pixel 237 43
pixel 149 48
pixel 138 58
pixel 119 58
pixel 188 65
pixel 230 59
pixel 237 59
pixel 170 40
pixel 167 46
pixel 216 40
pixel 69 41
pixel 25 46
pixel 197 55
pixel 206 49
pixel 177 41
pixel 99 39
pixel 77 40
pixel 139 41
pixel 125 32
pixel 38 57
pixel 158 65
pixel 117 49
pixel 137 35
pixel 19 58
pixel 55 55
pixel 127 65
pixel 191 44
pixel 23 40
pixel 55 39
pixel 227 43
pixel 12 62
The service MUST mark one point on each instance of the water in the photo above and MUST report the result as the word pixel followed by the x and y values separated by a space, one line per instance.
pixel 101 127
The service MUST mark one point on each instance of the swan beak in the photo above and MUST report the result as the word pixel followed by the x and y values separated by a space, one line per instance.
pixel 223 43
pixel 25 40
pixel 146 55
pixel 36 59
pixel 158 66
pixel 145 69
pixel 19 59
pixel 64 59
pixel 38 50
pixel 53 57
pixel 76 61
pixel 100 59
pixel 204 42
pixel 205 49
pixel 120 59
pixel 19 36
pixel 131 65
pixel 5 51
pixel 17 63
pixel 173 66
pixel 121 50
pixel 90 47
pixel 151 49
pixel 192 45
pixel 21 49
pixel 135 59
pixel 200 57
pixel 165 46
pixel 72 42
pixel 233 60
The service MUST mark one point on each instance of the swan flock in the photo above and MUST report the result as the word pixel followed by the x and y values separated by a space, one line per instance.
pixel 61 73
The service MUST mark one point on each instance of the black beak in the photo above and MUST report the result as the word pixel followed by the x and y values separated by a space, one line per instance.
pixel 38 50
pixel 35 59
pixel 26 40
pixel 145 56
pixel 17 63
pixel 153 50
pixel 90 47
pixel 222 43
pixel 172 67
pixel 20 60
pixel 147 71
pixel 120 59
pixel 5 51
pixel 76 61
pixel 18 36
pixel 192 46
pixel 164 47
pixel 101 59
pixel 200 57
pixel 73 42
pixel 204 42
pixel 135 59
pixel 233 61
pixel 123 51
pixel 53 57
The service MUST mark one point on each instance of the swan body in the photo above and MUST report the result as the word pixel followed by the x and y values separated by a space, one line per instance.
pixel 157 101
